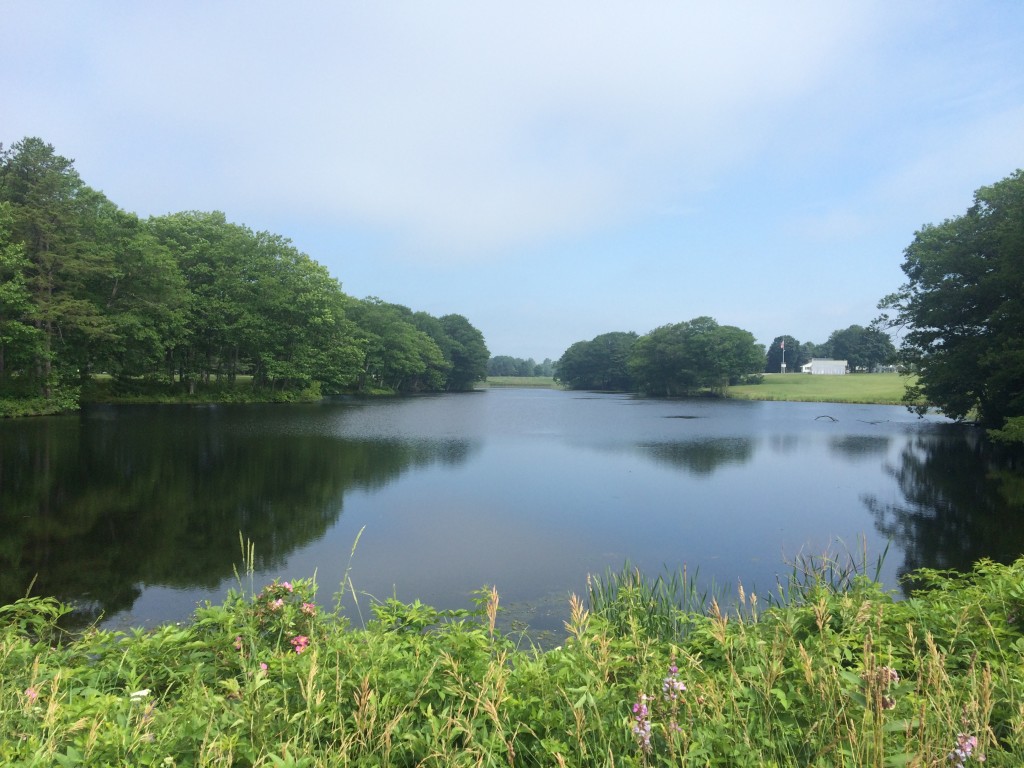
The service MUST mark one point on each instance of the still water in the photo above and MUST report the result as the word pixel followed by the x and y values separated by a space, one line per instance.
pixel 135 513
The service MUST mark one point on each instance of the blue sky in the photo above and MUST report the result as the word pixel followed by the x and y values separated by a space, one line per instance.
pixel 550 170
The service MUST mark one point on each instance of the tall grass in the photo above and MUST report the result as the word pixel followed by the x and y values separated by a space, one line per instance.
pixel 824 677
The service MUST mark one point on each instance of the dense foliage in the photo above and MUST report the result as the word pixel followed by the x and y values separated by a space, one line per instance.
pixel 963 308
pixel 186 299
pixel 863 348
pixel 786 348
pixel 693 356
pixel 828 676
pixel 506 365
pixel 601 363
pixel 686 358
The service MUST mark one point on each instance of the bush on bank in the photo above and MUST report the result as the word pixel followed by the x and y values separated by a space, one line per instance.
pixel 829 677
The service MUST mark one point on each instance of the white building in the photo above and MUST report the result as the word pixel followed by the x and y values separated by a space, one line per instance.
pixel 828 367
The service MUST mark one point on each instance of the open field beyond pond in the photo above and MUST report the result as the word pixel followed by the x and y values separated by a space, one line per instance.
pixel 522 381
pixel 881 388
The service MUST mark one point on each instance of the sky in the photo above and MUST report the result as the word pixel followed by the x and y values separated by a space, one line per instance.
pixel 550 170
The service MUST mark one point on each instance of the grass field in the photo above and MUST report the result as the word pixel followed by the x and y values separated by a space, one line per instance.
pixel 522 381
pixel 882 388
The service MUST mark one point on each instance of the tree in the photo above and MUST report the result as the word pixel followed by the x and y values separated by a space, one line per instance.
pixel 696 355
pixel 19 337
pixel 466 353
pixel 863 348
pixel 398 355
pixel 546 368
pixel 45 197
pixel 502 365
pixel 601 363
pixel 793 354
pixel 963 308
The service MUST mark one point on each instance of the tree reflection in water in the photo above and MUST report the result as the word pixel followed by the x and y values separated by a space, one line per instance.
pixel 963 500
pixel 92 514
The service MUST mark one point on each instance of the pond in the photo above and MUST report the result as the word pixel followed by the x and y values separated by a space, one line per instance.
pixel 136 513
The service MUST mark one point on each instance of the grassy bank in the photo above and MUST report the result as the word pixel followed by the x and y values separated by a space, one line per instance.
pixel 828 677
pixel 522 381
pixel 880 388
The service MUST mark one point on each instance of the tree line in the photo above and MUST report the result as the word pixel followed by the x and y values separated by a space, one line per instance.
pixel 506 365
pixel 864 348
pixel 678 359
pixel 189 299
pixel 701 355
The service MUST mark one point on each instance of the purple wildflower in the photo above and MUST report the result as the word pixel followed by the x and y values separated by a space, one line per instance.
pixel 642 723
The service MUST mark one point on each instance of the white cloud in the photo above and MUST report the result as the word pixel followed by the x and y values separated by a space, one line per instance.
pixel 459 127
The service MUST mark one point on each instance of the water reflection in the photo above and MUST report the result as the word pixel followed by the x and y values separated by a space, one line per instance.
pixel 860 446
pixel 529 490
pixel 701 457
pixel 957 506
pixel 94 508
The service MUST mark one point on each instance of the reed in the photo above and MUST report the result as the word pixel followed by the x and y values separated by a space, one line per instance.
pixel 651 671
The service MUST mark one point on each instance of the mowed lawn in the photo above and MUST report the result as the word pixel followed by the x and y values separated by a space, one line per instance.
pixel 882 388
pixel 522 381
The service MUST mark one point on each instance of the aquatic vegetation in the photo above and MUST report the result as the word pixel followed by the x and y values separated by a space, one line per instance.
pixel 831 676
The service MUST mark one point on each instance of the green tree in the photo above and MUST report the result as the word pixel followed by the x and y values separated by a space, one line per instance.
pixel 863 348
pixel 48 203
pixel 963 308
pixel 466 352
pixel 399 357
pixel 546 368
pixel 794 354
pixel 19 337
pixel 502 365
pixel 257 305
pixel 696 355
pixel 601 363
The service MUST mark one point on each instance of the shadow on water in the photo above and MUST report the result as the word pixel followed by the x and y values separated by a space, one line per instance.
pixel 963 500
pixel 95 507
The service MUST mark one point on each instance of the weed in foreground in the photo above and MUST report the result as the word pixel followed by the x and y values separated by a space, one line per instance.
pixel 838 677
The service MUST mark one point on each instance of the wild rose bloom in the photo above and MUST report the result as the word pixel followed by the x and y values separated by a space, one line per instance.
pixel 309 609
pixel 238 642
pixel 277 605
pixel 300 643
pixel 263 666
pixel 287 585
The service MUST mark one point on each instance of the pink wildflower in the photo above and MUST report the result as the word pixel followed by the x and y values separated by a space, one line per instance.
pixel 263 666
pixel 287 585
pixel 300 643
pixel 31 694
pixel 277 605
pixel 309 609
pixel 642 723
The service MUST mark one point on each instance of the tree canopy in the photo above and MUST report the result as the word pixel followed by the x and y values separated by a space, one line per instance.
pixel 695 355
pixel 963 310
pixel 793 353
pixel 680 359
pixel 187 298
pixel 863 348
pixel 601 363
pixel 506 365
